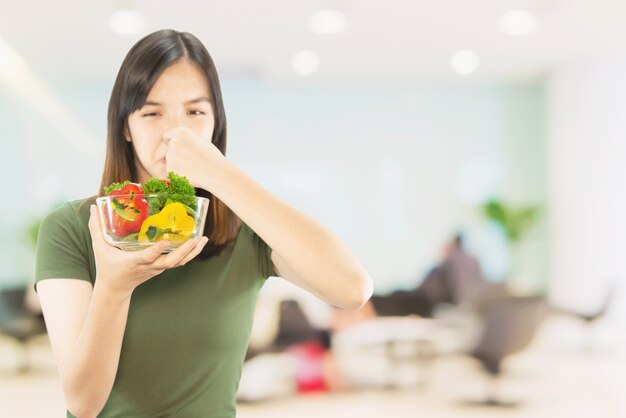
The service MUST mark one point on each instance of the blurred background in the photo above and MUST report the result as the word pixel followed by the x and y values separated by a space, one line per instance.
pixel 472 154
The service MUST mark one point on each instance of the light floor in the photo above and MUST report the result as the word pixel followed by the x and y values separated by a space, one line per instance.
pixel 569 372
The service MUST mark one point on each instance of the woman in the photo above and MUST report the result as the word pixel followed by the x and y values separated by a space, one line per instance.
pixel 146 334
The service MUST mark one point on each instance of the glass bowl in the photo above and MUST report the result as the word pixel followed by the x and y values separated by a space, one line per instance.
pixel 133 222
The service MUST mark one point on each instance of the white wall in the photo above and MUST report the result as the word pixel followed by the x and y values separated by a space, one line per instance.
pixel 395 169
pixel 44 165
pixel 587 192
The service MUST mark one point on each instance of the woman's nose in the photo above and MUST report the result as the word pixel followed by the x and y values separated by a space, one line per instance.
pixel 176 120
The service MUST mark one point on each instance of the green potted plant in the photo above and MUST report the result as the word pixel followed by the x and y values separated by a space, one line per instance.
pixel 514 221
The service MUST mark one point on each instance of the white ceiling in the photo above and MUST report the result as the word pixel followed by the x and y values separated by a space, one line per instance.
pixel 384 40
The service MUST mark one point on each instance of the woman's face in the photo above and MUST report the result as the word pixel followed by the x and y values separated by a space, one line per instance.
pixel 179 98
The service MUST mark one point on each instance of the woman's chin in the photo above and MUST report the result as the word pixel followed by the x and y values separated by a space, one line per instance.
pixel 161 172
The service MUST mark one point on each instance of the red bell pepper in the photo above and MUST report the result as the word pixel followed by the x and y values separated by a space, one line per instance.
pixel 129 210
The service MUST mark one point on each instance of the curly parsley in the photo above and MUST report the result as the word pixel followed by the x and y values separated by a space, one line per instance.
pixel 178 190
pixel 114 186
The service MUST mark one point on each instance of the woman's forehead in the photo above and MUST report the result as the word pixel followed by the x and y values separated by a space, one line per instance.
pixel 183 81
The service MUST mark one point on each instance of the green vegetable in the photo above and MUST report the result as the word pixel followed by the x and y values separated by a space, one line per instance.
pixel 155 186
pixel 180 185
pixel 154 232
pixel 177 185
pixel 175 189
pixel 131 237
pixel 178 190
pixel 115 186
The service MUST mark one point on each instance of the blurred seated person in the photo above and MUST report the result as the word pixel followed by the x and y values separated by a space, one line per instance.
pixel 303 359
pixel 456 280
pixel 295 356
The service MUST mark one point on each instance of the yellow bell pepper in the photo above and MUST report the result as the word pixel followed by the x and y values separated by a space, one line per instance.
pixel 172 224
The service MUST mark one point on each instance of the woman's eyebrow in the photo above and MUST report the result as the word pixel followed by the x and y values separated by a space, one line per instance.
pixel 198 100
pixel 192 101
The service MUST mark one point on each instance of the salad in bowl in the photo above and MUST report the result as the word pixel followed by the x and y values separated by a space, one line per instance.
pixel 135 216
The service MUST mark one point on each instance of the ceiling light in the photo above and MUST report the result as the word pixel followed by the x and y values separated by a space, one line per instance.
pixel 305 62
pixel 464 61
pixel 327 21
pixel 517 22
pixel 127 22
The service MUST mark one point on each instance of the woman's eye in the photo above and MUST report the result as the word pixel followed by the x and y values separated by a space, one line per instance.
pixel 147 115
pixel 196 112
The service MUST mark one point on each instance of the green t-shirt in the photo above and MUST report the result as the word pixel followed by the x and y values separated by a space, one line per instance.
pixel 188 328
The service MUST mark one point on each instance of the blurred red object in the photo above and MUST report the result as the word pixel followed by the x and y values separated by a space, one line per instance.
pixel 310 367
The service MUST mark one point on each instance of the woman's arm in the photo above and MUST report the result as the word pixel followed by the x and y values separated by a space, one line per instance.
pixel 86 337
pixel 303 251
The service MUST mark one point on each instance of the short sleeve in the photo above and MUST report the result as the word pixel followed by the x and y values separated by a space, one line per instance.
pixel 62 250
pixel 265 253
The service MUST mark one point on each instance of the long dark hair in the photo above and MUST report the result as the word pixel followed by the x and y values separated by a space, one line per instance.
pixel 141 68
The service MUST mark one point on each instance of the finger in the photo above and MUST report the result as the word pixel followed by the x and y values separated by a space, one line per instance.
pixel 194 252
pixel 151 254
pixel 172 259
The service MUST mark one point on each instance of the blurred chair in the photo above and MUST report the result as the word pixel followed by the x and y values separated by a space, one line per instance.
pixel 416 302
pixel 589 318
pixel 19 323
pixel 293 328
pixel 402 303
pixel 509 325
